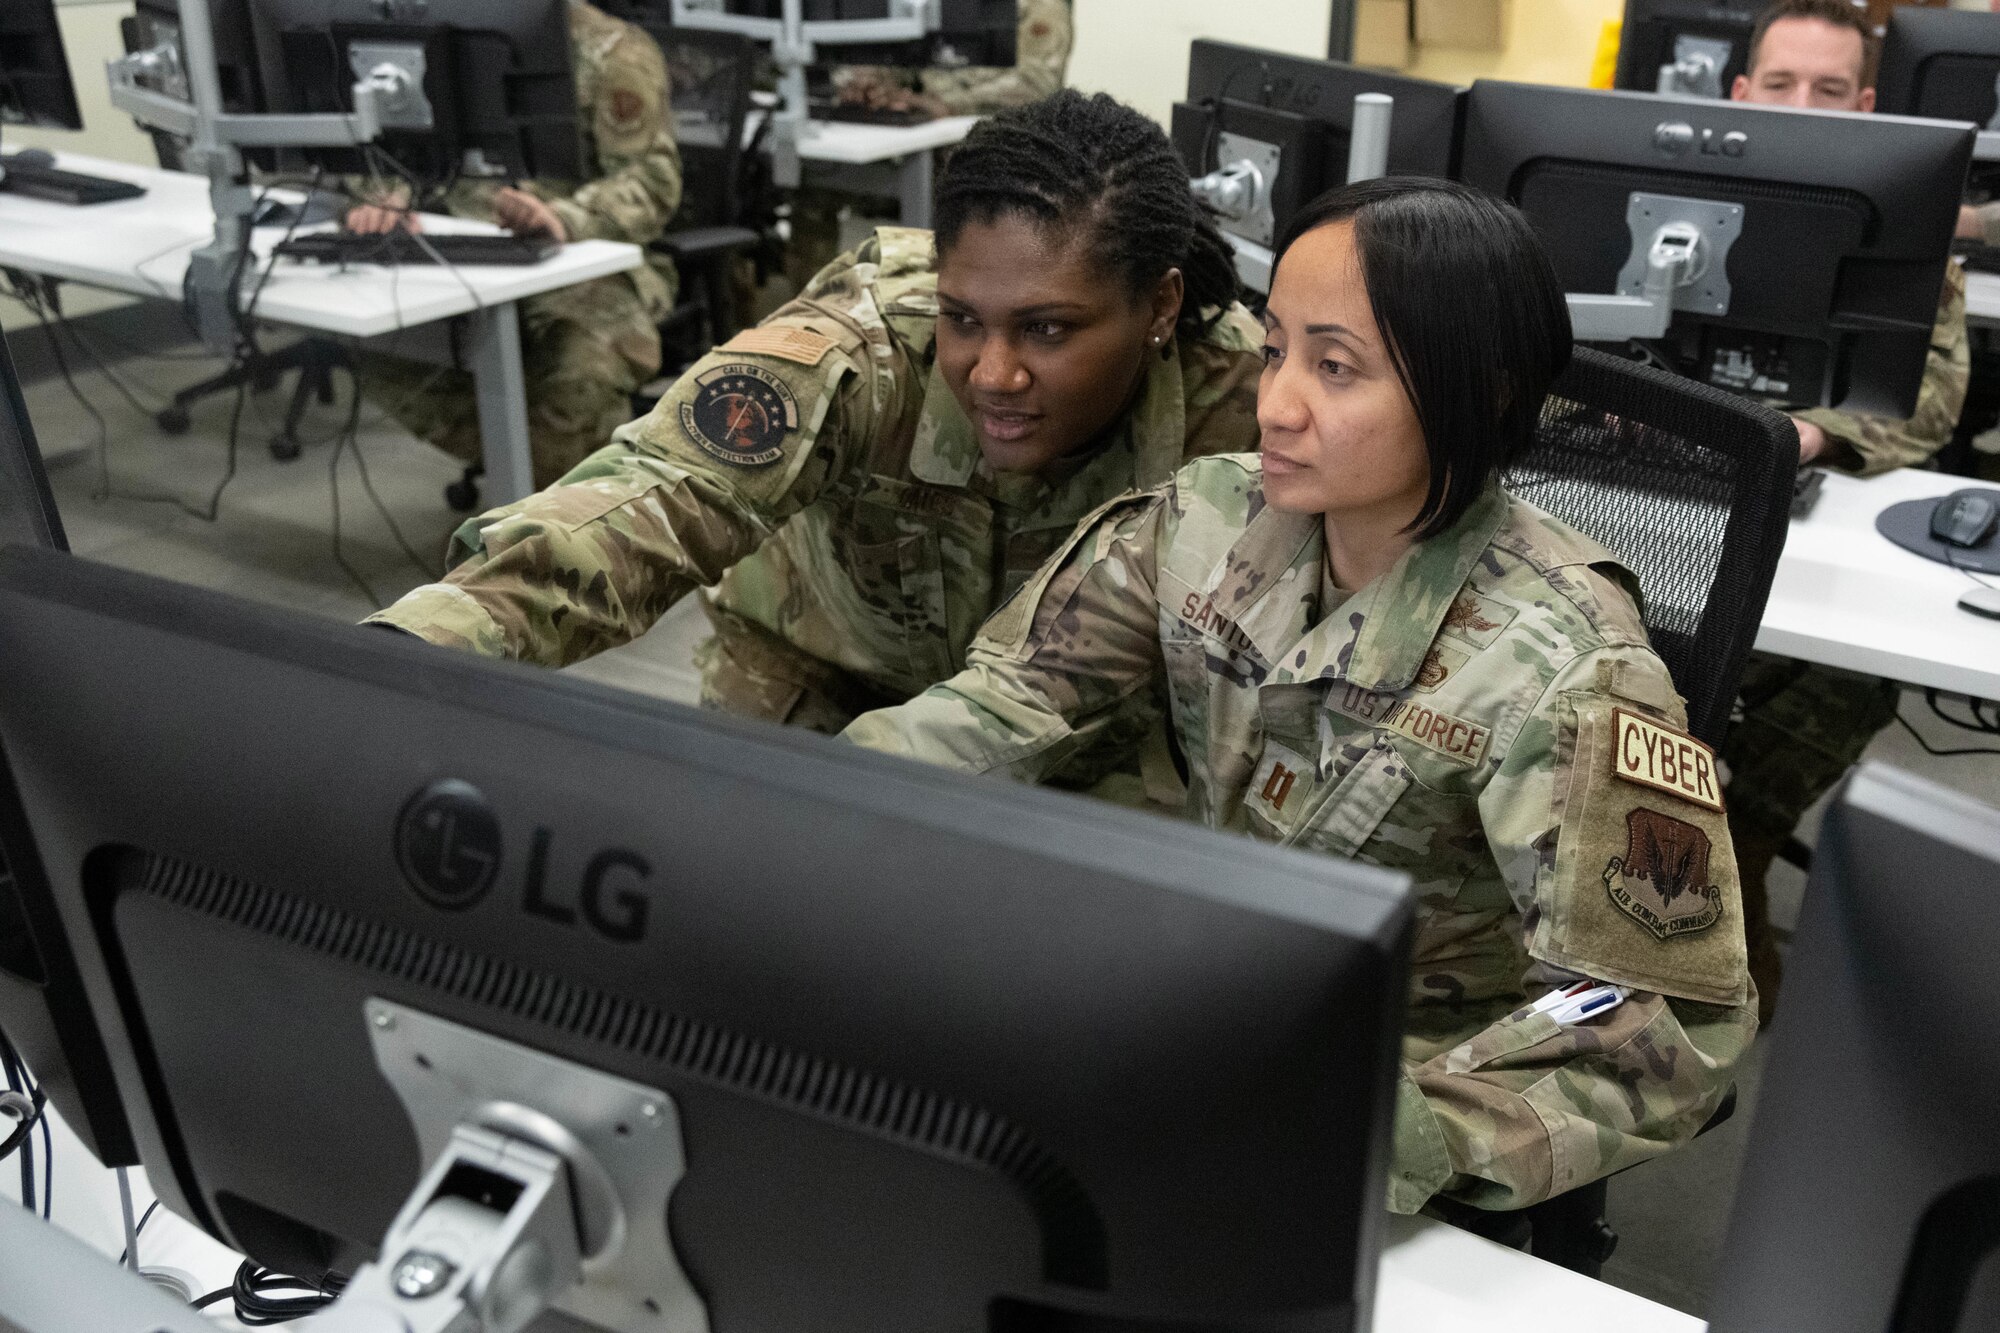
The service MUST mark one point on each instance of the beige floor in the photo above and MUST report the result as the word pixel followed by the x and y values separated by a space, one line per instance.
pixel 273 540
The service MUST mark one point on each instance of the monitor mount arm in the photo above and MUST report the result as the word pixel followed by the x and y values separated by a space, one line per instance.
pixel 548 1187
pixel 183 96
pixel 1679 261
pixel 794 46
pixel 1239 190
pixel 1697 68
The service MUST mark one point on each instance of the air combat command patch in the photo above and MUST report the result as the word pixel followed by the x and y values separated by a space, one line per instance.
pixel 741 414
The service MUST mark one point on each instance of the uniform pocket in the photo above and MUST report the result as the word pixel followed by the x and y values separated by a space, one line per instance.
pixel 1343 820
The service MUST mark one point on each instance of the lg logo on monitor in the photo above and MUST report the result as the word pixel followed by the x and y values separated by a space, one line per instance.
pixel 448 846
pixel 1675 138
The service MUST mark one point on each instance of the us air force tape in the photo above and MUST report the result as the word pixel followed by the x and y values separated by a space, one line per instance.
pixel 741 414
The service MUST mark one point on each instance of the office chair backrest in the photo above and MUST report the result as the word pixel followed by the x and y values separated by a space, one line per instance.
pixel 1692 487
pixel 711 74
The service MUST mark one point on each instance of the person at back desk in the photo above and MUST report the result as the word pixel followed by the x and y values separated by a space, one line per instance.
pixel 1041 59
pixel 866 475
pixel 587 347
pixel 1803 725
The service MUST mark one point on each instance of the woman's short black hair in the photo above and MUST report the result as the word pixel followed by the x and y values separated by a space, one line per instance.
pixel 1472 314
pixel 1094 165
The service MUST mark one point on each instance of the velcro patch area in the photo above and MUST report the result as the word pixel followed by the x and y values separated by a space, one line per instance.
pixel 786 342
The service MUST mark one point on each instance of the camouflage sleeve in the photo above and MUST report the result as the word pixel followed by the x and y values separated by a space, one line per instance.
pixel 1989 222
pixel 1866 444
pixel 1606 821
pixel 638 187
pixel 1053 667
pixel 747 437
pixel 1041 59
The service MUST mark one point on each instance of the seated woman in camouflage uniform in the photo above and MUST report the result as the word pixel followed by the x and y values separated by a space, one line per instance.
pixel 1372 650
pixel 866 475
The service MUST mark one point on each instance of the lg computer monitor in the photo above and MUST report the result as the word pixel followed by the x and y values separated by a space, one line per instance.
pixel 35 87
pixel 1870 1198
pixel 866 1045
pixel 155 24
pixel 1943 63
pixel 1689 48
pixel 1824 235
pixel 44 1012
pixel 1292 116
pixel 498 86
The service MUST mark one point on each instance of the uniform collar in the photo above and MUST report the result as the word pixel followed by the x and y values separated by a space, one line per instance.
pixel 945 452
pixel 1378 638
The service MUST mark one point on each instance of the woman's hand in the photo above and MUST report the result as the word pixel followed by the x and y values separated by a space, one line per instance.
pixel 376 219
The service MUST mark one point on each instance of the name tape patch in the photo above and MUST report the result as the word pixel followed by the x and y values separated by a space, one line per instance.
pixel 1438 731
pixel 1652 756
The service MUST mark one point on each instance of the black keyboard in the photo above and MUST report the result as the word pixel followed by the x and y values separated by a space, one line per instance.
pixel 857 114
pixel 1978 257
pixel 1805 490
pixel 400 247
pixel 62 187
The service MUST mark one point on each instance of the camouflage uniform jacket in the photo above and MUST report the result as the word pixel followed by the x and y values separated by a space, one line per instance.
pixel 1866 444
pixel 1041 58
pixel 1487 716
pixel 818 473
pixel 628 138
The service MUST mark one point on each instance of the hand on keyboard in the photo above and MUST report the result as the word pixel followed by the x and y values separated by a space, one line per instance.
pixel 526 215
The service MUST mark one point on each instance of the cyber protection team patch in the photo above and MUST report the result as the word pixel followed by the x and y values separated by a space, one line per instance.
pixel 741 414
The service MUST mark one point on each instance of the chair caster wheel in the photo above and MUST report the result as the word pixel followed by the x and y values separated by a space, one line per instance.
pixel 285 450
pixel 173 420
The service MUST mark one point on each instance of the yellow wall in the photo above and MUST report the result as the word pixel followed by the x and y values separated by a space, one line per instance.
pixel 1548 41
pixel 1137 50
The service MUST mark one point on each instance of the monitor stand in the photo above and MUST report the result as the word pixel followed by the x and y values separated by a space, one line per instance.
pixel 548 1187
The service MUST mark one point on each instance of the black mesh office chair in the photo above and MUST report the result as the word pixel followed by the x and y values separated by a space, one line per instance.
pixel 712 75
pixel 1692 487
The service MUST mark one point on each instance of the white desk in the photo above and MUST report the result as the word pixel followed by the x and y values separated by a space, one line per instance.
pixel 1434 1278
pixel 141 246
pixel 1846 596
pixel 1982 297
pixel 898 160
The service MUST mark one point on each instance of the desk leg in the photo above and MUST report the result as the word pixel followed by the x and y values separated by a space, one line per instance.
pixel 495 345
pixel 915 177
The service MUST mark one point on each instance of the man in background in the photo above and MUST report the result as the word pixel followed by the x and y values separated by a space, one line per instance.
pixel 587 347
pixel 1804 725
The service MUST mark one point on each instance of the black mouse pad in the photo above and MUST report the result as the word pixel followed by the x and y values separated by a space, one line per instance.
pixel 1909 526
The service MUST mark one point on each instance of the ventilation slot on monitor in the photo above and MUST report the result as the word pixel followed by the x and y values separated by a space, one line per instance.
pixel 1073 1235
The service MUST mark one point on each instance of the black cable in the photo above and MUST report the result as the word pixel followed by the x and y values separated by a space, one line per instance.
pixel 1978 723
pixel 48 1157
pixel 139 1230
pixel 257 1306
pixel 1933 750
pixel 23 1141
pixel 333 482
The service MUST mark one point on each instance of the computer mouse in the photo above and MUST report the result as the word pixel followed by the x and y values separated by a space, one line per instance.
pixel 1966 518
pixel 35 157
pixel 1982 601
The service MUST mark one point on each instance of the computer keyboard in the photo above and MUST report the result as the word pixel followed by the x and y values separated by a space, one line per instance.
pixel 1806 483
pixel 62 187
pixel 1978 257
pixel 856 114
pixel 400 247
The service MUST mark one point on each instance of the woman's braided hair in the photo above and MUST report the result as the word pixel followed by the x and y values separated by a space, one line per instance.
pixel 1094 165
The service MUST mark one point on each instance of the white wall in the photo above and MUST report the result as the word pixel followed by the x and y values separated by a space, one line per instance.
pixel 1137 50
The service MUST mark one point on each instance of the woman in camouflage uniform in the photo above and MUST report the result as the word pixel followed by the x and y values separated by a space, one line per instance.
pixel 866 475
pixel 1372 650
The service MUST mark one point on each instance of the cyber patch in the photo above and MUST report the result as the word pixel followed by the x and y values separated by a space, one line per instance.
pixel 1650 755
pixel 741 414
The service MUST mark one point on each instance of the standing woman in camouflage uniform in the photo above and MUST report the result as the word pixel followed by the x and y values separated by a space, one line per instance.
pixel 866 475
pixel 1374 651
pixel 587 347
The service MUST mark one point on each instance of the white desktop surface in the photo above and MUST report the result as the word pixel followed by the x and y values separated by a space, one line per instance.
pixel 1434 1278
pixel 855 144
pixel 1982 297
pixel 142 245
pixel 1846 596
